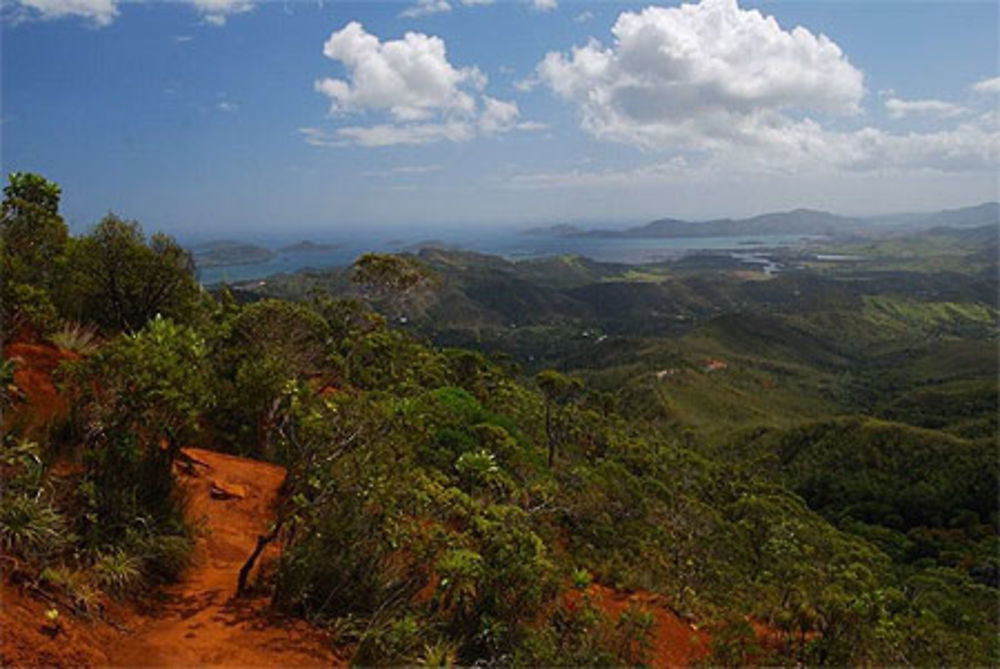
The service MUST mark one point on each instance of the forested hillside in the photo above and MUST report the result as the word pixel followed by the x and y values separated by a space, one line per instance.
pixel 552 462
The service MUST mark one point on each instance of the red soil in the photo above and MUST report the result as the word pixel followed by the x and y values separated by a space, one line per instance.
pixel 25 640
pixel 35 364
pixel 675 643
pixel 198 622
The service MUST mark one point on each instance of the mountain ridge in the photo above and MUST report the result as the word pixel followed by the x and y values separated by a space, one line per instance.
pixel 803 221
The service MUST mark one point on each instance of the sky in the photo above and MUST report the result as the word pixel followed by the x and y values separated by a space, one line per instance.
pixel 212 118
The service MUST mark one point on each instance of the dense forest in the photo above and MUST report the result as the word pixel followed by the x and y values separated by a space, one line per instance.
pixel 803 468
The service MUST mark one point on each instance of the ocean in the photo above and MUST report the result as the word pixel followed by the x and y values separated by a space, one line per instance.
pixel 511 246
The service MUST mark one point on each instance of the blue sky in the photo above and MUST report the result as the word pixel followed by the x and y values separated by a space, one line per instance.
pixel 209 118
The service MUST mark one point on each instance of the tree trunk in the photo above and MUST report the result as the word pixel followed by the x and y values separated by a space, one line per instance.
pixel 262 541
pixel 550 433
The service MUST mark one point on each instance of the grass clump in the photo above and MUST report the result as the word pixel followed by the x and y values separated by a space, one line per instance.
pixel 76 337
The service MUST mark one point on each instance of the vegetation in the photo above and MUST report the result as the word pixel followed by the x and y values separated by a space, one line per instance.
pixel 813 454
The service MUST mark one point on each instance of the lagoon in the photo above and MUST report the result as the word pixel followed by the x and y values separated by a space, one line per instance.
pixel 506 244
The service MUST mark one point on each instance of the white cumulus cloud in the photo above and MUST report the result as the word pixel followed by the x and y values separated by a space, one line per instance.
pixel 667 64
pixel 410 77
pixel 411 81
pixel 733 89
pixel 544 5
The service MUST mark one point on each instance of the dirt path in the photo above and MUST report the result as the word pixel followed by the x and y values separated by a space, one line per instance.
pixel 197 622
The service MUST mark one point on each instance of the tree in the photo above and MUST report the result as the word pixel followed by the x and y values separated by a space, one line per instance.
pixel 558 390
pixel 389 278
pixel 272 342
pixel 139 398
pixel 33 239
pixel 26 191
pixel 121 280
pixel 387 272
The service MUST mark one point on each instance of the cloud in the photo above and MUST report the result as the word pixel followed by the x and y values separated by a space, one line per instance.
pixel 216 12
pixel 898 108
pixel 100 12
pixel 414 134
pixel 404 170
pixel 669 63
pixel 732 89
pixel 425 8
pixel 411 81
pixel 104 12
pixel 576 178
pixel 391 134
pixel 987 86
pixel 411 77
pixel 227 106
pixel 583 17
pixel 428 7
pixel 544 5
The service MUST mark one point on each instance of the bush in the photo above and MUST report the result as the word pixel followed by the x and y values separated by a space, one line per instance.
pixel 31 528
pixel 118 573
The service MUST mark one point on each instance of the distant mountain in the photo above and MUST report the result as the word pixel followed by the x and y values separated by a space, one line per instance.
pixel 431 245
pixel 987 213
pixel 308 247
pixel 560 230
pixel 983 235
pixel 225 253
pixel 798 222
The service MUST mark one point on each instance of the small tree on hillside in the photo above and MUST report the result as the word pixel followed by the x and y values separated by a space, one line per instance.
pixel 388 278
pixel 558 390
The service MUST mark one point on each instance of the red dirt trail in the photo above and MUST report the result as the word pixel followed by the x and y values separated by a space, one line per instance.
pixel 198 622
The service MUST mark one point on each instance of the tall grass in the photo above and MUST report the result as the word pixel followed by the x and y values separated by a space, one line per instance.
pixel 76 337
pixel 30 527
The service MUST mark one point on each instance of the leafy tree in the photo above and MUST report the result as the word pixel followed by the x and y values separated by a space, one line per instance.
pixel 121 280
pixel 33 240
pixel 268 344
pixel 139 398
pixel 388 279
pixel 387 273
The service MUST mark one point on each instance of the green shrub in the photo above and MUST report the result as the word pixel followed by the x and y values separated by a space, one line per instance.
pixel 394 642
pixel 118 573
pixel 30 527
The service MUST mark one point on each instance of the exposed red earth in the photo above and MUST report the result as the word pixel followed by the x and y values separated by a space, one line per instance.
pixel 675 643
pixel 35 365
pixel 199 621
